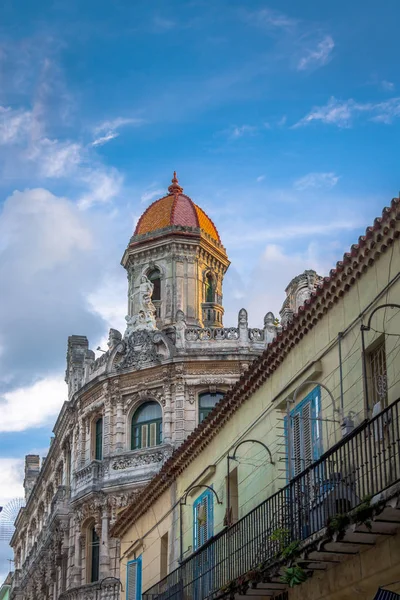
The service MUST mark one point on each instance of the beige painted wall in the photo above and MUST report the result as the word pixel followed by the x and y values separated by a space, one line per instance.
pixel 261 417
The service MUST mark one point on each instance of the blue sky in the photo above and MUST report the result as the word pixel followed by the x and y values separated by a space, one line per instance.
pixel 281 118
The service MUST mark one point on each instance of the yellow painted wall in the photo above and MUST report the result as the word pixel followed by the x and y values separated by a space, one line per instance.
pixel 261 417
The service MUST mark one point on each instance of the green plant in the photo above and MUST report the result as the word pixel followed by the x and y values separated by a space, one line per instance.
pixel 294 576
pixel 279 535
pixel 363 513
pixel 290 551
pixel 338 524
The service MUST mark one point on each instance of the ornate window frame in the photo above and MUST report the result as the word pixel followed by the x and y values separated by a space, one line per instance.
pixel 137 400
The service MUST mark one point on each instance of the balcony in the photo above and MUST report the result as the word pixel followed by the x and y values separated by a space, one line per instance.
pixel 108 589
pixel 343 502
pixel 128 467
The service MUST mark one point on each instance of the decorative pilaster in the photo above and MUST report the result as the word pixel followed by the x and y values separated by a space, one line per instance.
pixel 107 420
pixel 82 442
pixel 179 404
pixel 104 545
pixel 119 425
pixel 167 434
pixel 77 569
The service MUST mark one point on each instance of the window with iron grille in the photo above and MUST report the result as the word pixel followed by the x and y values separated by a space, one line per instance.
pixel 377 364
pixel 146 426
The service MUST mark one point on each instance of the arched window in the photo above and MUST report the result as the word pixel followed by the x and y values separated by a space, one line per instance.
pixel 155 278
pixel 98 435
pixel 94 555
pixel 207 402
pixel 146 426
pixel 209 288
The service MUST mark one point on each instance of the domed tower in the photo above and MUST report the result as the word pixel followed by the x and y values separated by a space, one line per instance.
pixel 177 248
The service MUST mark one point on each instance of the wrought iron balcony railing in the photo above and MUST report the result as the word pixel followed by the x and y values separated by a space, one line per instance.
pixel 364 463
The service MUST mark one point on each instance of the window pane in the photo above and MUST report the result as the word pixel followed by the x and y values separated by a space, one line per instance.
pixel 135 443
pixel 147 412
pixel 207 402
pixel 95 556
pixel 99 439
pixel 154 277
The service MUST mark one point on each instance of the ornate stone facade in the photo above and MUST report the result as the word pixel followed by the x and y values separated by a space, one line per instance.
pixel 171 353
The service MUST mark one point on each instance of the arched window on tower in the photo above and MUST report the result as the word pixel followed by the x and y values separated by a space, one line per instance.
pixel 210 291
pixel 207 401
pixel 155 277
pixel 146 426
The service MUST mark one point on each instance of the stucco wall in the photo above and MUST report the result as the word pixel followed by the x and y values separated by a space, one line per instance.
pixel 261 417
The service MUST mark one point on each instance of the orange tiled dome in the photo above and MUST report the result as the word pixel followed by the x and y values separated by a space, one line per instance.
pixel 175 209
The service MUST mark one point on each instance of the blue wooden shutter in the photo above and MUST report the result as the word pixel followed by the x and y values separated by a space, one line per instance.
pixel 134 579
pixel 203 518
pixel 305 431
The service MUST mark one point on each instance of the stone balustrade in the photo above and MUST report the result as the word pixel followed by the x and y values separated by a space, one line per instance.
pixel 130 466
pixel 108 589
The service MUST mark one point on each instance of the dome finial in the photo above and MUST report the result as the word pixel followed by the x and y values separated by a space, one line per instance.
pixel 175 188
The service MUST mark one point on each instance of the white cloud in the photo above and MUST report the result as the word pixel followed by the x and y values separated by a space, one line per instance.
pixel 263 288
pixel 114 124
pixel 243 236
pixel 269 18
pixel 386 112
pixel 239 131
pixel 33 406
pixel 43 230
pixel 318 56
pixel 260 178
pixel 51 255
pixel 104 185
pixel 149 195
pixel 343 113
pixel 109 129
pixel 56 159
pixel 14 125
pixel 111 135
pixel 388 86
pixel 316 181
pixel 11 470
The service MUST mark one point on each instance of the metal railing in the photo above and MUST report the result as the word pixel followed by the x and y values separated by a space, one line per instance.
pixel 364 463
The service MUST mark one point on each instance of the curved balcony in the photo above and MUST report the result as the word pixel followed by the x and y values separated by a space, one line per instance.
pixel 128 467
pixel 102 590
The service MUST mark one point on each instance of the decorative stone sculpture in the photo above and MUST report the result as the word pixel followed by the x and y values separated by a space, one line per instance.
pixel 144 318
pixel 243 319
pixel 180 328
pixel 114 338
pixel 297 292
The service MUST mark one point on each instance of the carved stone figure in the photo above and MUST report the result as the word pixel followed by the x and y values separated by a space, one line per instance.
pixel 145 317
pixel 180 328
pixel 114 338
pixel 243 319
